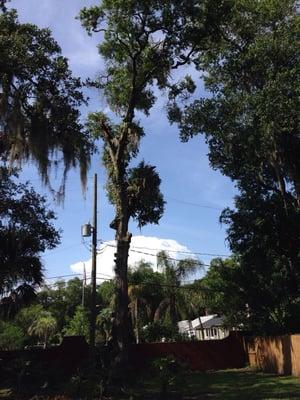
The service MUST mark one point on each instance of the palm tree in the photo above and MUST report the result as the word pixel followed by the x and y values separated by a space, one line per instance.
pixel 174 303
pixel 145 293
pixel 44 326
pixel 105 320
pixel 136 295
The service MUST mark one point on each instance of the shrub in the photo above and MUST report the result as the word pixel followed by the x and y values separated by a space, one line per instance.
pixel 169 373
pixel 11 336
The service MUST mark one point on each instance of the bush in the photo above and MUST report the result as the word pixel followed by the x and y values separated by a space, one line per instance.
pixel 11 336
pixel 161 332
pixel 169 373
pixel 85 384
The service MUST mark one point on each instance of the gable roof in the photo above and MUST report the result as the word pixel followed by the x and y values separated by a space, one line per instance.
pixel 207 321
pixel 184 325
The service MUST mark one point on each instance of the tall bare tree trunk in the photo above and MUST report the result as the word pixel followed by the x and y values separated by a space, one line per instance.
pixel 122 326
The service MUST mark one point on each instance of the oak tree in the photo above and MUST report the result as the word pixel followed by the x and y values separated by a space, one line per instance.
pixel 141 43
pixel 26 231
pixel 39 100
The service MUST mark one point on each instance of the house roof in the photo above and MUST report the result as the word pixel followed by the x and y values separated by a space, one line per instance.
pixel 207 321
pixel 184 325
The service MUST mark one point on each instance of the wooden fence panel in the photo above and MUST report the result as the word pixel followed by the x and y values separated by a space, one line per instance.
pixel 277 354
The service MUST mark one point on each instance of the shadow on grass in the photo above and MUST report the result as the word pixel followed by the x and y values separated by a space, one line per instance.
pixel 241 384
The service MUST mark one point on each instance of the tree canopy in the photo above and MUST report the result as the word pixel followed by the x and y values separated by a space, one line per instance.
pixel 142 42
pixel 26 230
pixel 251 119
pixel 39 100
pixel 251 123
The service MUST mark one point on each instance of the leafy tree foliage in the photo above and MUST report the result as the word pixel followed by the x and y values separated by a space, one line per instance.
pixel 26 231
pixel 105 320
pixel 39 98
pixel 227 291
pixel 106 292
pixel 259 289
pixel 79 324
pixel 251 120
pixel 174 301
pixel 251 124
pixel 148 290
pixel 267 240
pixel 11 336
pixel 143 41
pixel 63 298
pixel 25 318
pixel 148 285
pixel 249 300
pixel 43 326
pixel 160 331
pixel 145 293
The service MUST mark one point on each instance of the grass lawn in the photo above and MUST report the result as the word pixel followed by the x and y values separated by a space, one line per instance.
pixel 241 384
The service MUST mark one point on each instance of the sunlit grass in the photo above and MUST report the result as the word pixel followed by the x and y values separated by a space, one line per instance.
pixel 242 385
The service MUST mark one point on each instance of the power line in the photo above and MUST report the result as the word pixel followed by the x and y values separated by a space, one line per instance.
pixel 141 284
pixel 154 255
pixel 183 252
pixel 50 252
pixel 86 245
pixel 194 204
pixel 62 276
pixel 170 251
pixel 47 285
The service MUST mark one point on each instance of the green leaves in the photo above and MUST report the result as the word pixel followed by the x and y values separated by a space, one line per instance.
pixel 145 200
pixel 142 42
pixel 90 18
pixel 26 231
pixel 252 115
pixel 78 325
pixel 39 101
pixel 43 326
pixel 11 336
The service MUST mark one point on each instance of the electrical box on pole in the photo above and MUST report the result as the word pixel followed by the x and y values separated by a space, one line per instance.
pixel 86 230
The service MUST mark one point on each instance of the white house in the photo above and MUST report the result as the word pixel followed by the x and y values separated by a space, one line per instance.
pixel 207 327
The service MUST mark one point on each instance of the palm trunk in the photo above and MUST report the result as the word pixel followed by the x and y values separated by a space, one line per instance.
pixel 173 315
pixel 121 325
pixel 136 316
pixel 45 341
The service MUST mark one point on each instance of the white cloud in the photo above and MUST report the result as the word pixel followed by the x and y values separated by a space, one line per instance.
pixel 142 248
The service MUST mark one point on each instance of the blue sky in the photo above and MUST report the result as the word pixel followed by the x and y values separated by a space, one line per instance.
pixel 183 167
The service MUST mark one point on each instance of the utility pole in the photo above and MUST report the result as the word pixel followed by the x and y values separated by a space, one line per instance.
pixel 83 285
pixel 94 269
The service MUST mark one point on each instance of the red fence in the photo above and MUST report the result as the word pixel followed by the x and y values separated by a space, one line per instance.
pixel 69 355
pixel 199 355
